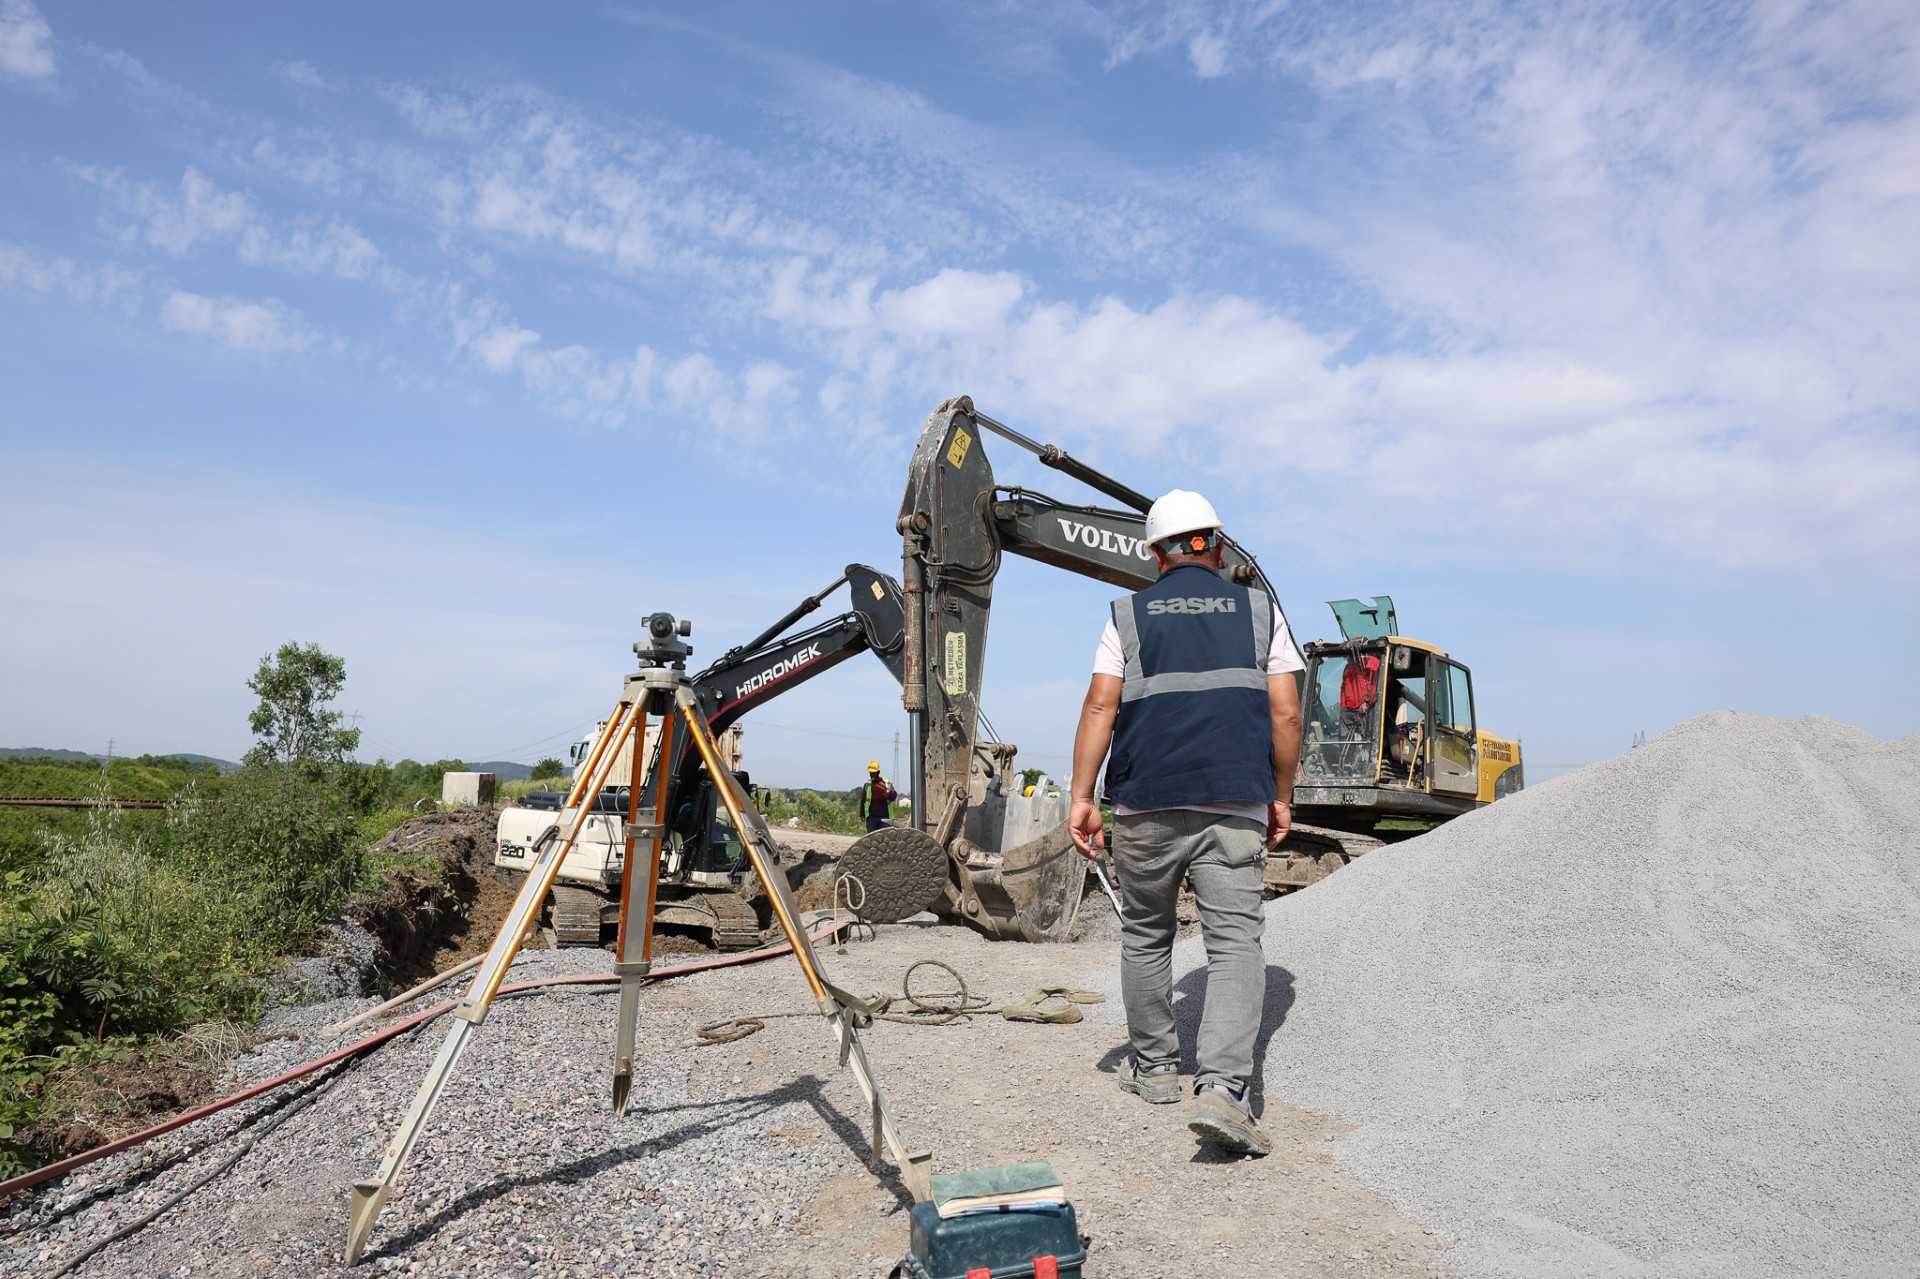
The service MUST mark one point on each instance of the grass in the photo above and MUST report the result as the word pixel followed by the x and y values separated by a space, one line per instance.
pixel 25 831
pixel 124 931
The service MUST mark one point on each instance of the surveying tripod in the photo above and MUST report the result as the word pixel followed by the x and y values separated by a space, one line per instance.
pixel 660 687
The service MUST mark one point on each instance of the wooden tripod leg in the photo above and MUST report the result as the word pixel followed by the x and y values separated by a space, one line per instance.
pixel 370 1197
pixel 916 1167
pixel 641 891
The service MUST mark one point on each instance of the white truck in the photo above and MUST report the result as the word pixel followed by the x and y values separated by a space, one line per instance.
pixel 706 881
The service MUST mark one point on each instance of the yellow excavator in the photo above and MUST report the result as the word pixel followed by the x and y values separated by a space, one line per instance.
pixel 1391 745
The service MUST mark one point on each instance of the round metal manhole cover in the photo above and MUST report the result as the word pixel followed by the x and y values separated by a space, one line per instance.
pixel 903 872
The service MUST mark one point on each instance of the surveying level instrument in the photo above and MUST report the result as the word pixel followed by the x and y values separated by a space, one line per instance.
pixel 659 687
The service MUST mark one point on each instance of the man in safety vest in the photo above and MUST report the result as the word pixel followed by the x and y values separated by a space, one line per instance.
pixel 1193 691
pixel 875 798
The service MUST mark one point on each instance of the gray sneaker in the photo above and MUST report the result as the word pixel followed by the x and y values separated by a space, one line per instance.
pixel 1159 1084
pixel 1222 1120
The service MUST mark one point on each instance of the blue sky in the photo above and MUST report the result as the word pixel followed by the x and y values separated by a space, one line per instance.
pixel 458 338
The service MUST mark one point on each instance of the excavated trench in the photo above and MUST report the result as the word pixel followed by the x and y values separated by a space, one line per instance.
pixel 425 920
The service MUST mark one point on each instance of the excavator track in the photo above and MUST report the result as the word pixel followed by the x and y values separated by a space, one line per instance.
pixel 1311 853
pixel 736 923
pixel 727 917
pixel 576 916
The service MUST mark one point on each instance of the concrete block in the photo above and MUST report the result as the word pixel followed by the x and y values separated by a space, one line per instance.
pixel 466 788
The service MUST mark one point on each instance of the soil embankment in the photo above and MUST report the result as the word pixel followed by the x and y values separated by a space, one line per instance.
pixel 430 919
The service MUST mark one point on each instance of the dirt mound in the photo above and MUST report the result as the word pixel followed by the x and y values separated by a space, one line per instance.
pixel 425 921
pixel 90 1105
pixel 1654 1017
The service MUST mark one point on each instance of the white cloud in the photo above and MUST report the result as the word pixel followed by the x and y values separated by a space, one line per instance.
pixel 178 221
pixel 951 303
pixel 1585 458
pixel 25 41
pixel 198 214
pixel 265 326
pixel 499 347
pixel 31 271
pixel 304 74
pixel 328 248
pixel 1208 53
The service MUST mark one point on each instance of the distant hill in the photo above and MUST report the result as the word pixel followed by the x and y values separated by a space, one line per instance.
pixel 224 765
pixel 503 769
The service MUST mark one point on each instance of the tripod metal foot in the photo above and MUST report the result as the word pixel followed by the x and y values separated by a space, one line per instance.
pixel 623 1041
pixel 369 1197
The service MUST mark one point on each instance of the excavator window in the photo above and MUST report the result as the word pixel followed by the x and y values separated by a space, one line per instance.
pixel 1407 690
pixel 1343 715
pixel 1453 698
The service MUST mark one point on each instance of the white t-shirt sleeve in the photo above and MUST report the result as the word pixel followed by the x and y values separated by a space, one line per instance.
pixel 1110 660
pixel 1282 656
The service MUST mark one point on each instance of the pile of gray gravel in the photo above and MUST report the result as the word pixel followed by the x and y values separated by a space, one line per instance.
pixel 1656 1017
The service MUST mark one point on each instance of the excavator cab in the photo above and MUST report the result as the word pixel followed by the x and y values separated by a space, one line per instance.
pixel 702 846
pixel 1390 729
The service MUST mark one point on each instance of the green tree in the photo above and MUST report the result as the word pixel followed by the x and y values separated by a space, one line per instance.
pixel 293 723
pixel 549 767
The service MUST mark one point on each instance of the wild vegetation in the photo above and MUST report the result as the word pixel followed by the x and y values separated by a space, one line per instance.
pixel 120 925
pixel 827 810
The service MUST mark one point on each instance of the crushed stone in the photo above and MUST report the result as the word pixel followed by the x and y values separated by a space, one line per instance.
pixel 1655 1017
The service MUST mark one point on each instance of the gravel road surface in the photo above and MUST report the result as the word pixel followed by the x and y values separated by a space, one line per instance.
pixel 746 1158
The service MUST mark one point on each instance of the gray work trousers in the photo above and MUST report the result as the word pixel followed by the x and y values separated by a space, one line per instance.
pixel 1224 857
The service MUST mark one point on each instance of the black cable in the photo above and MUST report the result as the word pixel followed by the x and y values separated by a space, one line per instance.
pixel 289 1109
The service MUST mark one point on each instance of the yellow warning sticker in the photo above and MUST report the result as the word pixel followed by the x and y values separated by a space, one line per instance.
pixel 956 680
pixel 957 451
pixel 877 592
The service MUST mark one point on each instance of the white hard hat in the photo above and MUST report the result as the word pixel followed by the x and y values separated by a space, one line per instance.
pixel 1180 511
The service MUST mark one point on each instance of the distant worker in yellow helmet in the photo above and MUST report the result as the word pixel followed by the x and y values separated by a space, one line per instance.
pixel 876 798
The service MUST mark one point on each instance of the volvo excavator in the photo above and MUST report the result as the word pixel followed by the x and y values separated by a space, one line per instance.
pixel 956 522
pixel 704 866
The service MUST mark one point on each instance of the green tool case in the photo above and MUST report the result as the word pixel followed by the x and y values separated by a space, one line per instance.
pixel 1017 1244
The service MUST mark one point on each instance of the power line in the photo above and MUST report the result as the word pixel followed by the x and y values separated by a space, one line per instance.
pixel 399 750
pixel 857 737
pixel 568 734
pixel 819 732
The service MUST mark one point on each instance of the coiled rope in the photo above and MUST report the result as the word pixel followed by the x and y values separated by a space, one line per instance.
pixel 920 1007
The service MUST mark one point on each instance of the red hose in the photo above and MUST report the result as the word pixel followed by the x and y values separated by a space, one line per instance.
pixel 68 1164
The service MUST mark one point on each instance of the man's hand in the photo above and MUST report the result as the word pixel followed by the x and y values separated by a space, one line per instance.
pixel 1087 828
pixel 1279 822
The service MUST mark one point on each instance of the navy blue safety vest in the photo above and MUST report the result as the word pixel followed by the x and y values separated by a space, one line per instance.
pixel 1194 725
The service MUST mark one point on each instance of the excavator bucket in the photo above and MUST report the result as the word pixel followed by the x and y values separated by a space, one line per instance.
pixel 1029 893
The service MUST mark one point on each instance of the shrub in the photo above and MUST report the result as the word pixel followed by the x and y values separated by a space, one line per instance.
pixel 285 839
pixel 68 982
pixel 836 811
